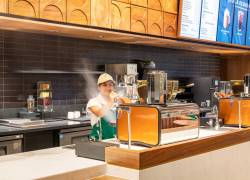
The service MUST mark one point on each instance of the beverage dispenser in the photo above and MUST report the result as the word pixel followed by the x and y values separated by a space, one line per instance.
pixel 44 96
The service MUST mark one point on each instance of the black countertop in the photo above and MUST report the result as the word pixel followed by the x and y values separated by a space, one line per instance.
pixel 52 124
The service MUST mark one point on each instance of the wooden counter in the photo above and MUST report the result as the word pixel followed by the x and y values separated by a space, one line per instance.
pixel 151 157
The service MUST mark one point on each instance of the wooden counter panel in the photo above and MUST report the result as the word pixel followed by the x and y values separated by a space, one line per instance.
pixel 155 4
pixel 78 12
pixel 54 10
pixel 123 157
pixel 29 8
pixel 170 6
pixel 125 1
pixel 167 153
pixel 101 13
pixel 120 15
pixel 143 3
pixel 170 25
pixel 3 6
pixel 155 22
pixel 139 19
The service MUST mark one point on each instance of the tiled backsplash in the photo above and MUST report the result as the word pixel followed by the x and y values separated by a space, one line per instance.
pixel 27 58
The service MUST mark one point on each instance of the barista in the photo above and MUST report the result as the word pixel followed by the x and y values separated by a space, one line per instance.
pixel 101 110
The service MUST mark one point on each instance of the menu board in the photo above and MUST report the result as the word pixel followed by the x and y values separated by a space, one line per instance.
pixel 240 22
pixel 190 18
pixel 225 21
pixel 248 28
pixel 209 19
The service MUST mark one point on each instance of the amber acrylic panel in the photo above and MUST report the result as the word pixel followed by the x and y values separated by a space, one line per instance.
pixel 120 15
pixel 145 125
pixel 78 12
pixel 54 10
pixel 155 22
pixel 229 111
pixel 29 8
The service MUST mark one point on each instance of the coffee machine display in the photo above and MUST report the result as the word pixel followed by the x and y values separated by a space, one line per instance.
pixel 44 96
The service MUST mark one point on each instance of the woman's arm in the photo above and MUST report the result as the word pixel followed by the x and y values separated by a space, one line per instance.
pixel 97 111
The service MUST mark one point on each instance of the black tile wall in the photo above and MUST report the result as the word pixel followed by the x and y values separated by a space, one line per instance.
pixel 21 51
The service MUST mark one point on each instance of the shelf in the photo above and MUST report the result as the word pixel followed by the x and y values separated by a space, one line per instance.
pixel 41 71
pixel 17 23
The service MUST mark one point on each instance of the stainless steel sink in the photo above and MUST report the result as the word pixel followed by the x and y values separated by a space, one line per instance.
pixel 21 123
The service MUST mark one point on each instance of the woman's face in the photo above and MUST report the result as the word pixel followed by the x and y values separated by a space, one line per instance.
pixel 106 88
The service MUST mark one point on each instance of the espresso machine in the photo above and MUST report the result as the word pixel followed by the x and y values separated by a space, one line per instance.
pixel 125 75
pixel 247 85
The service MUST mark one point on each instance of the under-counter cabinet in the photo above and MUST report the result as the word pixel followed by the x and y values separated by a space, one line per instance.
pixel 3 6
pixel 78 11
pixel 54 10
pixel 155 22
pixel 101 13
pixel 28 8
pixel 39 140
pixel 170 24
pixel 120 15
pixel 139 19
pixel 10 144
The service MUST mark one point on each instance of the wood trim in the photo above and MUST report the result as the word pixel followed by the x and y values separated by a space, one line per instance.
pixel 25 24
pixel 167 153
pixel 179 18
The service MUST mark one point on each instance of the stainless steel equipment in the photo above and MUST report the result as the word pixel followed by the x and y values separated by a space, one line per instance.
pixel 73 135
pixel 157 87
pixel 21 123
pixel 247 85
pixel 11 144
pixel 125 76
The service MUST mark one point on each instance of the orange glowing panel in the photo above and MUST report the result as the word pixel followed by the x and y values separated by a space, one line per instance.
pixel 145 125
pixel 229 111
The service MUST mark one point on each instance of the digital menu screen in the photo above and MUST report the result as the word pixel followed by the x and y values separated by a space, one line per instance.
pixel 209 19
pixel 225 21
pixel 190 18
pixel 240 22
pixel 248 27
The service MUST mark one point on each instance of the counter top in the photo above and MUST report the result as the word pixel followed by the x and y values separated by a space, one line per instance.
pixel 52 124
pixel 54 163
pixel 150 157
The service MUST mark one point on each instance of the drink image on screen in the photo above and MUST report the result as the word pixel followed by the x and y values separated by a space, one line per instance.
pixel 226 20
pixel 240 20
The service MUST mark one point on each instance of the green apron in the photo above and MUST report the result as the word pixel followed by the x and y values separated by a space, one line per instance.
pixel 102 130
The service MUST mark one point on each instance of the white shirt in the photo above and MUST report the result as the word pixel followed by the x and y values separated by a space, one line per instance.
pixel 100 102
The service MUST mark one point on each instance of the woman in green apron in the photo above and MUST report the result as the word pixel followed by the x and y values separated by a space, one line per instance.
pixel 101 110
